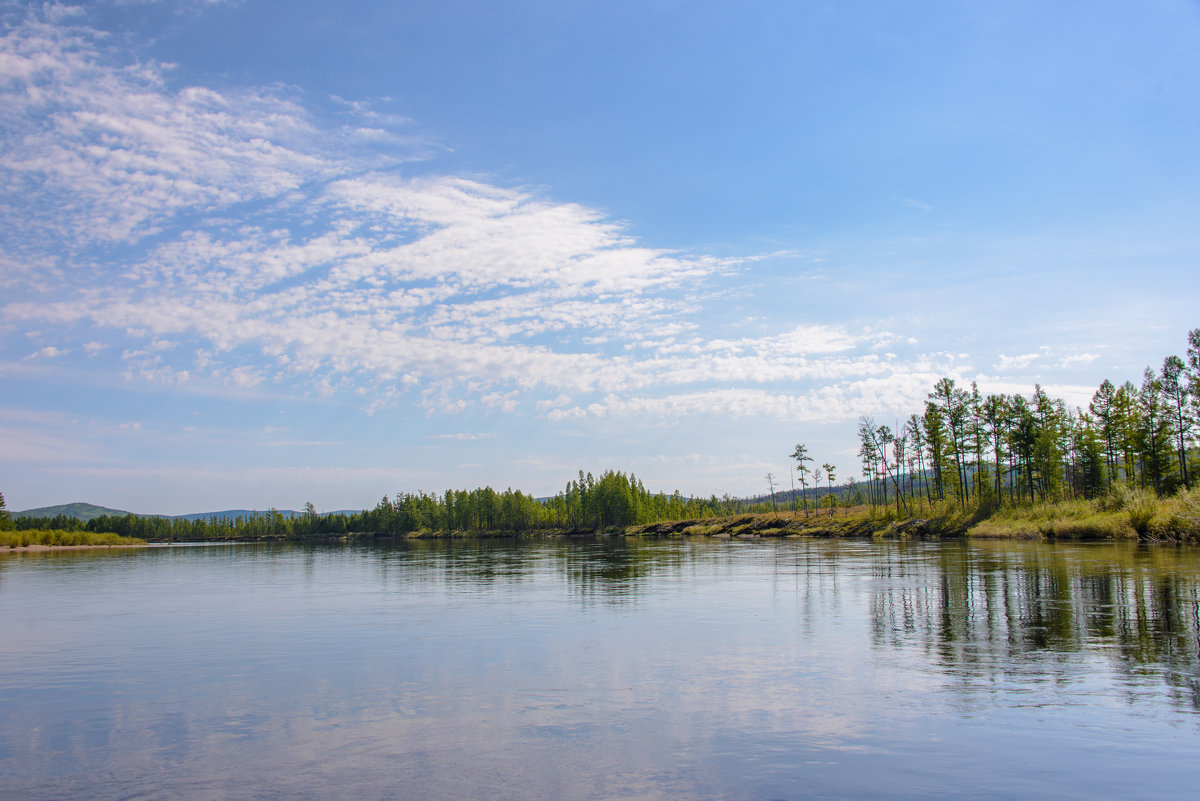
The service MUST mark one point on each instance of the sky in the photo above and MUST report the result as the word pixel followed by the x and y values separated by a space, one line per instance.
pixel 259 253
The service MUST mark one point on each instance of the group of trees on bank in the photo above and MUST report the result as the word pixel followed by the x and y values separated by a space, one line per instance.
pixel 982 451
pixel 586 504
pixel 818 476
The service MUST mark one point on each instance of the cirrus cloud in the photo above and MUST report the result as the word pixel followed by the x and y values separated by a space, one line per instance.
pixel 227 238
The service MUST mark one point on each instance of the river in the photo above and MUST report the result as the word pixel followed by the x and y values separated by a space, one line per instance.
pixel 607 669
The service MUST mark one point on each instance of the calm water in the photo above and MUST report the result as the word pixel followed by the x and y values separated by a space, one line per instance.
pixel 607 670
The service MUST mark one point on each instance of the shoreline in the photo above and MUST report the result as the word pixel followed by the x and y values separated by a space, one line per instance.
pixel 43 548
pixel 1049 523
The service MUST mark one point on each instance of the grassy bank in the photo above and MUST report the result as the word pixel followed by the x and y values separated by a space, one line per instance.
pixel 856 522
pixel 58 539
pixel 1125 514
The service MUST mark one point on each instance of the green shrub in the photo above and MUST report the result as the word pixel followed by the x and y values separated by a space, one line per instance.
pixel 58 537
pixel 1141 507
pixel 1184 514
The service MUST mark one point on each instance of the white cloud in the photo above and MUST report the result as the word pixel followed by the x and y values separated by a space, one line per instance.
pixel 1078 359
pixel 900 394
pixel 49 352
pixel 1015 362
pixel 117 152
pixel 245 377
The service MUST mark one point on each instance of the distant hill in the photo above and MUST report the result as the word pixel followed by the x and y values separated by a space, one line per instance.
pixel 90 511
pixel 82 511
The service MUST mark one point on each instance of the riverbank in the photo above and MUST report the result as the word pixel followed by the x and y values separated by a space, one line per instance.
pixel 44 548
pixel 1126 515
pixel 854 524
pixel 1122 515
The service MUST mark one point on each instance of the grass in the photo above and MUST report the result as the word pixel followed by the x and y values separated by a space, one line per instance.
pixel 1065 519
pixel 52 537
pixel 1125 513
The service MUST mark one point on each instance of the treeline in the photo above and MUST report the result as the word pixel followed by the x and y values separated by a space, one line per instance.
pixel 985 451
pixel 614 500
pixel 269 525
pixel 587 504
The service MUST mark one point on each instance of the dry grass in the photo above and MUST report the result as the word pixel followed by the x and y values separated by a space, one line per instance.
pixel 1180 516
pixel 1125 513
pixel 1067 520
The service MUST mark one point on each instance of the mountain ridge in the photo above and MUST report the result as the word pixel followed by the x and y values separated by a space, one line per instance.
pixel 81 510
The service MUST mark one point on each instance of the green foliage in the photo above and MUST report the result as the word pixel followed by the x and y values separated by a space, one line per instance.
pixel 1184 514
pixel 986 453
pixel 1141 513
pixel 6 522
pixel 59 538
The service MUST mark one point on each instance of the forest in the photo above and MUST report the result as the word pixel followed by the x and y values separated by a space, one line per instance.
pixel 986 451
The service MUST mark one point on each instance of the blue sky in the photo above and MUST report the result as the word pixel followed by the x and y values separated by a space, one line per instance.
pixel 257 253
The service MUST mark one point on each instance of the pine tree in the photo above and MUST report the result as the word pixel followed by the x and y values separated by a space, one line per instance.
pixel 1176 394
pixel 1126 417
pixel 830 478
pixel 1103 409
pixel 934 426
pixel 1154 433
pixel 956 414
pixel 994 418
pixel 800 454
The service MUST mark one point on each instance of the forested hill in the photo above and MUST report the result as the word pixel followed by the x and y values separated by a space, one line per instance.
pixel 77 511
pixel 90 511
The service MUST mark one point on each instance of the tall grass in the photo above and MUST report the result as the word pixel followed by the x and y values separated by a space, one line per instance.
pixel 52 537
pixel 1124 513
pixel 1075 519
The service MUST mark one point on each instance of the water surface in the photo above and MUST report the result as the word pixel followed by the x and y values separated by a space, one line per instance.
pixel 610 669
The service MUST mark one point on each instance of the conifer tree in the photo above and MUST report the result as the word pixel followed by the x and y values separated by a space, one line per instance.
pixel 800 454
pixel 1177 395
pixel 1104 411
pixel 1154 433
pixel 934 426
pixel 994 420
pixel 830 477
